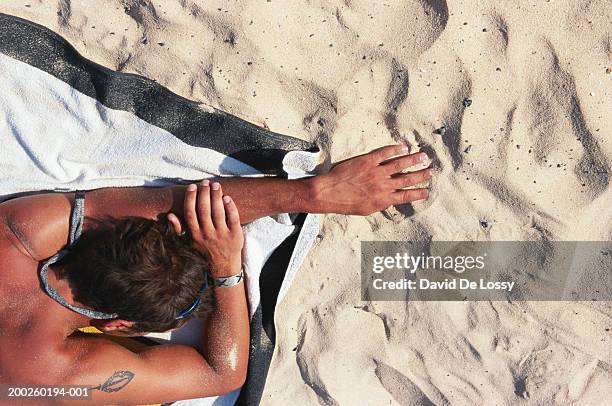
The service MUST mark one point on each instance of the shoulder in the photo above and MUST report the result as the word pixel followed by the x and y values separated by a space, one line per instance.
pixel 12 240
pixel 17 270
pixel 38 225
pixel 25 362
pixel 66 362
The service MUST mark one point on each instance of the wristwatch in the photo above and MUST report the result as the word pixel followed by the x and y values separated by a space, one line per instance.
pixel 227 281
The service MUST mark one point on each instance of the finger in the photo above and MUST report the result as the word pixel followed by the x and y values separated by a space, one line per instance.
pixel 410 195
pixel 190 210
pixel 384 153
pixel 399 164
pixel 217 208
pixel 231 212
pixel 404 180
pixel 204 215
pixel 175 223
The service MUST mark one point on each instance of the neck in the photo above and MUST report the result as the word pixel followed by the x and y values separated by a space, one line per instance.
pixel 68 319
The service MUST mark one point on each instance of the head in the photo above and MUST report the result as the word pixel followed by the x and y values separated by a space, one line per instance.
pixel 140 269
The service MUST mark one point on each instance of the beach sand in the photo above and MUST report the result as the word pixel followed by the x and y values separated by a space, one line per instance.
pixel 512 101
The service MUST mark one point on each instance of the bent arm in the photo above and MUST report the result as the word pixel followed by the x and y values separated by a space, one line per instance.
pixel 160 374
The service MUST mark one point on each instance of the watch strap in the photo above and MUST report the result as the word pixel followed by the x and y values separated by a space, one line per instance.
pixel 227 281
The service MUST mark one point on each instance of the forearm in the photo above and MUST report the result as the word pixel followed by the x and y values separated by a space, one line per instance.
pixel 226 334
pixel 260 197
pixel 254 197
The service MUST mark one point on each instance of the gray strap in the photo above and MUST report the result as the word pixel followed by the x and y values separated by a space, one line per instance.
pixel 77 217
pixel 76 227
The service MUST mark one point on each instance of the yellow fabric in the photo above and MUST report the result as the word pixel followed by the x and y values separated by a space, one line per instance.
pixel 90 330
pixel 127 342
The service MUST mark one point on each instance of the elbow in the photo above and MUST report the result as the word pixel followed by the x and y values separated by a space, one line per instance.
pixel 233 380
pixel 237 379
pixel 241 376
pixel 231 369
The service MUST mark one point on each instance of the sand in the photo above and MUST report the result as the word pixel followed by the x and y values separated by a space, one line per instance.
pixel 511 99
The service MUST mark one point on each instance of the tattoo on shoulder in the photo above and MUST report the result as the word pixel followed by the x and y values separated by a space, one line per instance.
pixel 116 382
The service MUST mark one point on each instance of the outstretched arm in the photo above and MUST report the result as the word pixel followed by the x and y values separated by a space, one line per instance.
pixel 361 185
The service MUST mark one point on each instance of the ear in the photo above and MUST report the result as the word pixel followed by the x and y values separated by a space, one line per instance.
pixel 176 223
pixel 112 326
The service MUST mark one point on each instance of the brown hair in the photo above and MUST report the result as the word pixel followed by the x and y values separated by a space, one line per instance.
pixel 139 269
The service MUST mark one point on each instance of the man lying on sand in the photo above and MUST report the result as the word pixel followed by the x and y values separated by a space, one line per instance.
pixel 149 269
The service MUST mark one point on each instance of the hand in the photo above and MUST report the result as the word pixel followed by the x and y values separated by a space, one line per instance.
pixel 214 225
pixel 372 182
